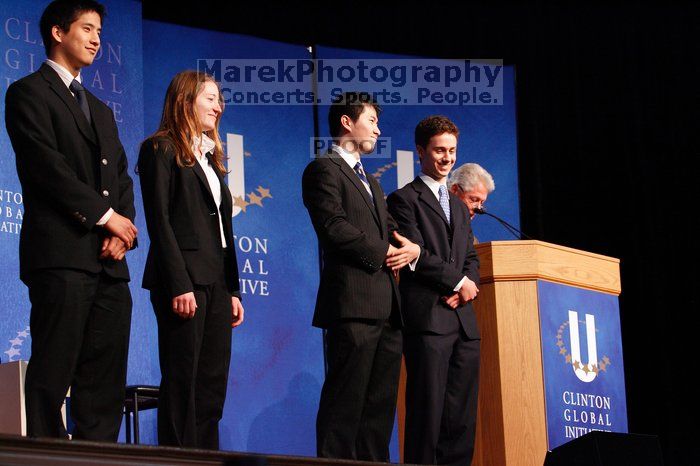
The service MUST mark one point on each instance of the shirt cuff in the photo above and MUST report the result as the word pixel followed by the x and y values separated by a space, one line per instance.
pixel 105 218
pixel 413 264
pixel 459 285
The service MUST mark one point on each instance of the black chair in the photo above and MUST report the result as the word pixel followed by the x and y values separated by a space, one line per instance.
pixel 138 398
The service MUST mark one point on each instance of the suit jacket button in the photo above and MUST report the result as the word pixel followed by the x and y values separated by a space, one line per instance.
pixel 452 259
pixel 104 161
pixel 105 193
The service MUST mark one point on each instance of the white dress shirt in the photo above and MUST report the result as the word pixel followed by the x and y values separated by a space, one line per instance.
pixel 352 161
pixel 201 146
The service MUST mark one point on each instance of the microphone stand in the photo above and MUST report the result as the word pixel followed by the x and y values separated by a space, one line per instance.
pixel 511 229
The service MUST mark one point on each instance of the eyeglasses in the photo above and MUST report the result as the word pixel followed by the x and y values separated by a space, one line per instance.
pixel 476 200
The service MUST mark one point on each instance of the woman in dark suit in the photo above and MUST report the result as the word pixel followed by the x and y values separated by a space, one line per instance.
pixel 191 268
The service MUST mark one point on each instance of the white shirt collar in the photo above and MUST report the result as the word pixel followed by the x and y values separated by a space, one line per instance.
pixel 63 73
pixel 205 143
pixel 347 156
pixel 432 184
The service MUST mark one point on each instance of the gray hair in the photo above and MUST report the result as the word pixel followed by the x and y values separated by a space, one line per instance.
pixel 468 177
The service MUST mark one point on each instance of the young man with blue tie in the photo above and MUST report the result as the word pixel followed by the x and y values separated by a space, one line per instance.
pixel 441 338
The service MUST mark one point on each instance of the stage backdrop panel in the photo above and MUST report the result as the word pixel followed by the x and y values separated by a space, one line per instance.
pixel 582 359
pixel 116 78
pixel 277 363
pixel 408 91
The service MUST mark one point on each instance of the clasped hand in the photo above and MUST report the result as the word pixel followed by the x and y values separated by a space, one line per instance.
pixel 122 228
pixel 466 293
pixel 113 248
pixel 404 254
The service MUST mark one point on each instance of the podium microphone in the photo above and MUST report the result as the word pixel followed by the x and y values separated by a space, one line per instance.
pixel 513 231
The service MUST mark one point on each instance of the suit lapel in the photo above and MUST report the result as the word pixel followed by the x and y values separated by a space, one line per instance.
pixel 426 196
pixel 458 221
pixel 454 208
pixel 59 87
pixel 381 212
pixel 355 180
pixel 197 168
pixel 99 118
pixel 226 202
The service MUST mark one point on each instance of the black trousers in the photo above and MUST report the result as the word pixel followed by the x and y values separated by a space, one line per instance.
pixel 442 383
pixel 194 362
pixel 358 400
pixel 80 325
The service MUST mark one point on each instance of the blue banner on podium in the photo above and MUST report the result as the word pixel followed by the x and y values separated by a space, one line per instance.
pixel 582 358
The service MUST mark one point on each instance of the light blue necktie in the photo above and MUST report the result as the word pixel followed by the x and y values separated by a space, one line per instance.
pixel 445 201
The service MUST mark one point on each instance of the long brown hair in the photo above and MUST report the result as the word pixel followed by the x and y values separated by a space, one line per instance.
pixel 179 121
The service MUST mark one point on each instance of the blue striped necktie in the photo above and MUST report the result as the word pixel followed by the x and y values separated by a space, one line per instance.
pixel 445 201
pixel 361 173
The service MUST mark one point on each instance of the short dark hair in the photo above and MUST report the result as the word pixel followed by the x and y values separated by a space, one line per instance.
pixel 351 104
pixel 432 126
pixel 63 13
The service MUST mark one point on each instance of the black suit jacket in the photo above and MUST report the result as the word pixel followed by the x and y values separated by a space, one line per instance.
pixel 447 255
pixel 353 231
pixel 183 223
pixel 71 173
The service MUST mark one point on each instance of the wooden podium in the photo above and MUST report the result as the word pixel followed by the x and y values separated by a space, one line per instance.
pixel 511 424
pixel 12 417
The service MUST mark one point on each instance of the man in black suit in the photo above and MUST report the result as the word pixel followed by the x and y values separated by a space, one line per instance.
pixel 77 227
pixel 441 338
pixel 358 300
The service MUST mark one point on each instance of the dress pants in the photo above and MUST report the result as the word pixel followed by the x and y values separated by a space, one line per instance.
pixel 80 324
pixel 442 383
pixel 358 400
pixel 194 363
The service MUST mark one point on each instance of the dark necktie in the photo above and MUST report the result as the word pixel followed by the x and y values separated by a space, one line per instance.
pixel 361 173
pixel 81 97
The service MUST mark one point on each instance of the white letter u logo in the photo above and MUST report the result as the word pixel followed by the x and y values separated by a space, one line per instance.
pixel 236 176
pixel 585 372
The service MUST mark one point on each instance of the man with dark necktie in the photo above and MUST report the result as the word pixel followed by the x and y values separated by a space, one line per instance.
pixel 77 228
pixel 358 300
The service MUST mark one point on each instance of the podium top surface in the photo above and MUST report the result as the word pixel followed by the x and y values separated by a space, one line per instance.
pixel 537 260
